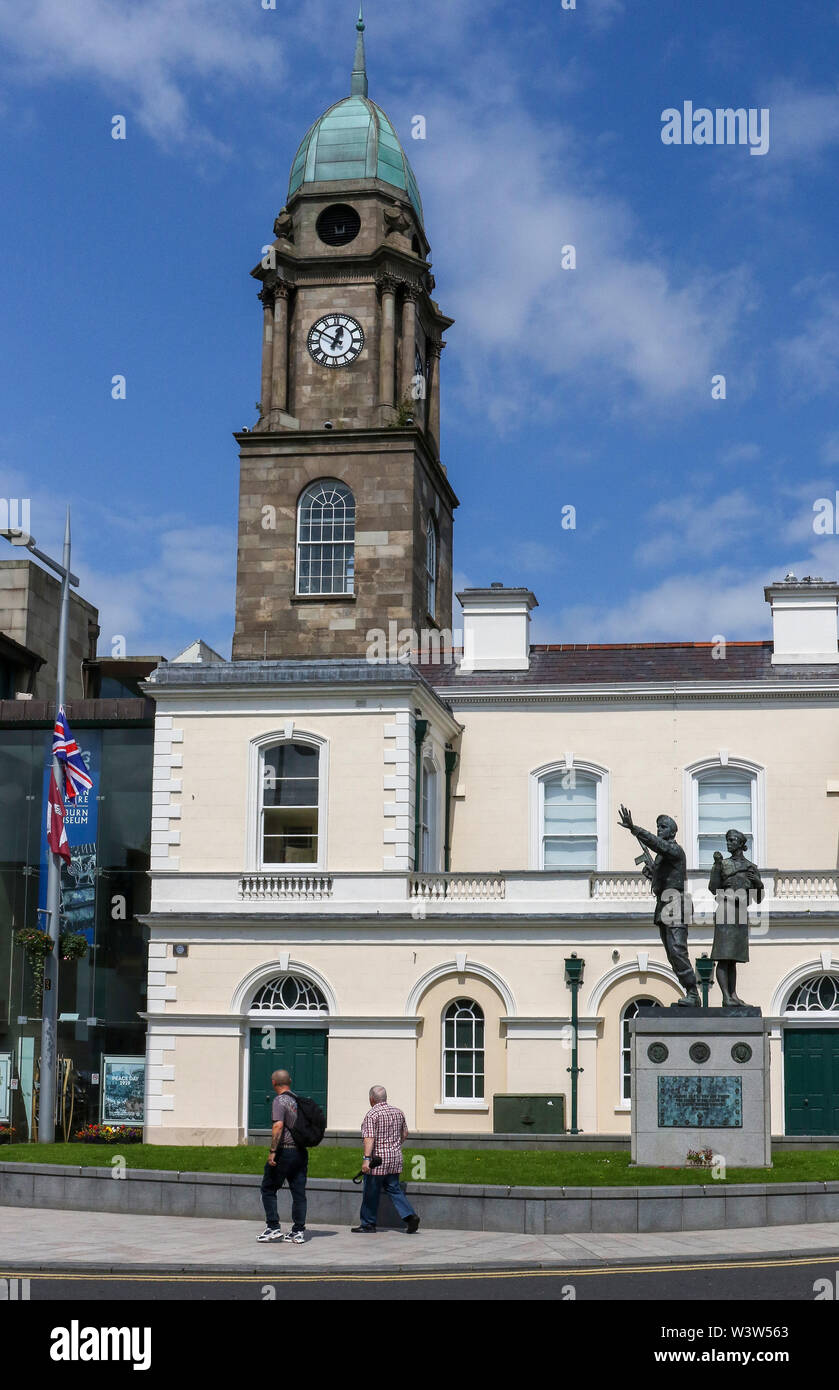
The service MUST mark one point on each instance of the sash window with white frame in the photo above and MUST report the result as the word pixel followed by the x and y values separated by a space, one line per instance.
pixel 629 1012
pixel 725 801
pixel 431 566
pixel 463 1051
pixel 428 819
pixel 568 820
pixel 326 539
pixel 289 804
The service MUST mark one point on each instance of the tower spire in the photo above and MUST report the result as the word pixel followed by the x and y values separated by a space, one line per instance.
pixel 358 86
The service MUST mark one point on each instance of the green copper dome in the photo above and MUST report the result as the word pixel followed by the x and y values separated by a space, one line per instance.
pixel 354 140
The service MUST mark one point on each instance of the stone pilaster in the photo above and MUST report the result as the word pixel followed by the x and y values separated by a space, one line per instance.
pixel 279 356
pixel 267 297
pixel 435 347
pixel 387 347
pixel 409 344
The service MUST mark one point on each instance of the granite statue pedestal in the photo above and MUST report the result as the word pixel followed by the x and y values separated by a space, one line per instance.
pixel 700 1080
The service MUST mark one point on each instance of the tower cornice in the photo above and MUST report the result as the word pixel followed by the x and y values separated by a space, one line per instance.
pixel 275 443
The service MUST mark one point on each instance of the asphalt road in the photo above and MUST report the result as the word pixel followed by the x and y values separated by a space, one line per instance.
pixel 773 1279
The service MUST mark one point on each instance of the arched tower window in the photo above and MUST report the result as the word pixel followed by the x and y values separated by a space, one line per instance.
pixel 431 566
pixel 326 539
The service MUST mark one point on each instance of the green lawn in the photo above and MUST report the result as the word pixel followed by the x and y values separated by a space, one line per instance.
pixel 517 1168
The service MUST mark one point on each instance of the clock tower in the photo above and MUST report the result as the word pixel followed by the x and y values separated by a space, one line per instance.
pixel 345 510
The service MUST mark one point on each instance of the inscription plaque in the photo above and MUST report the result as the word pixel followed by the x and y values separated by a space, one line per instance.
pixel 700 1102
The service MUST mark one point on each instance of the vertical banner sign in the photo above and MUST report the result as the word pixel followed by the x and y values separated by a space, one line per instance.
pixel 78 879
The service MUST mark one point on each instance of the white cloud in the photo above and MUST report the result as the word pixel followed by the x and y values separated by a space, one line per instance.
pixel 141 54
pixel 158 581
pixel 809 361
pixel 694 608
pixel 803 123
pixel 504 200
pixel 601 13
pixel 740 453
pixel 689 526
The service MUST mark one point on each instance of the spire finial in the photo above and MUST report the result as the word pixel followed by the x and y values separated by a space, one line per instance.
pixel 358 86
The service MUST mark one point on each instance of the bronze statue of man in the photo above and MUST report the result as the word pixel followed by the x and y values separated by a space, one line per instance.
pixel 732 881
pixel 667 880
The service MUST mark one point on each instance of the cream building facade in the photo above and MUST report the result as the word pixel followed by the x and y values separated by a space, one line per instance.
pixel 349 955
pixel 374 870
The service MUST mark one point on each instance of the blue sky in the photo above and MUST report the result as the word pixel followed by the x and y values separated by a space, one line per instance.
pixel 589 387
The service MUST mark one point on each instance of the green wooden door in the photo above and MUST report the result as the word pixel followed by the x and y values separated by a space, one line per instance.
pixel 811 1080
pixel 301 1051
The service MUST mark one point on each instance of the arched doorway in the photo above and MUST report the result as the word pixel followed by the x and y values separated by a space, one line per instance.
pixel 811 1056
pixel 285 1014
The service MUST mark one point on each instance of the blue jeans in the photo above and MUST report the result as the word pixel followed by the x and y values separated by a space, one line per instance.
pixel 373 1185
pixel 291 1167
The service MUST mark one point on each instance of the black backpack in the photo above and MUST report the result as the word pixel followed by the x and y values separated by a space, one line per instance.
pixel 310 1126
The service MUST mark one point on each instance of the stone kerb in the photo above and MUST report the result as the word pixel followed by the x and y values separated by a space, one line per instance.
pixel 524 1210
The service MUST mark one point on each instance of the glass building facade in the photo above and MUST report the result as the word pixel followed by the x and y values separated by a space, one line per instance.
pixel 107 888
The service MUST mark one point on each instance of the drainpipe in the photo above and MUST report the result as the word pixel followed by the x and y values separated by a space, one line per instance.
pixel 420 731
pixel 451 764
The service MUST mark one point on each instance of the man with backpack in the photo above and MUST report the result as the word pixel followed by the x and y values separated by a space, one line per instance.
pixel 298 1124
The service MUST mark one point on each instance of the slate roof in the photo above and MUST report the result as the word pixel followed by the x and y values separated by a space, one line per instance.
pixel 639 662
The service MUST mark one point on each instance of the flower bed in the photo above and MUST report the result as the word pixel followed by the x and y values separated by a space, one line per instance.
pixel 109 1134
pixel 7 1134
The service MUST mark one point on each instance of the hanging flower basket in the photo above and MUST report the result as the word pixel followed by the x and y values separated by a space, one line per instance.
pixel 37 946
pixel 72 946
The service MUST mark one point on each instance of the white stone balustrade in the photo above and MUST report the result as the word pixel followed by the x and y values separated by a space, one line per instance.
pixel 513 893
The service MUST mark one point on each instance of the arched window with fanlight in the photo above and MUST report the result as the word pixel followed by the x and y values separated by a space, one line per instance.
pixel 817 995
pixel 326 539
pixel 289 994
pixel 629 1012
pixel 431 549
pixel 463 1051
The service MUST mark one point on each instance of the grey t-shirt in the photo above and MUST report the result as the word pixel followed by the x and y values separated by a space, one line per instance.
pixel 285 1108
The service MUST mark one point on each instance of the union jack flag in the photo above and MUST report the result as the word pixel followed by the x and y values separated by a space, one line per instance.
pixel 64 747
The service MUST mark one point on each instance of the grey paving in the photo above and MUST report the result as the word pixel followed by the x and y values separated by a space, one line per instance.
pixel 32 1239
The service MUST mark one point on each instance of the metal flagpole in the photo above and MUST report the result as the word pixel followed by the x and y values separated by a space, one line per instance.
pixel 49 1007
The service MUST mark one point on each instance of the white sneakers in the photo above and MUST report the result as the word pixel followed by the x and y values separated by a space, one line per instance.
pixel 290 1237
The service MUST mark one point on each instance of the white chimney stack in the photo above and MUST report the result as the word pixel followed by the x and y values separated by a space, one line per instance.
pixel 804 621
pixel 496 629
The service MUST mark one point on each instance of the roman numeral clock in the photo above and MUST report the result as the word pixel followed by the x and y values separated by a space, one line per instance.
pixel 335 340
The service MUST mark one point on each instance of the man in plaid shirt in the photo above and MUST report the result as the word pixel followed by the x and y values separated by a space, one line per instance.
pixel 383 1131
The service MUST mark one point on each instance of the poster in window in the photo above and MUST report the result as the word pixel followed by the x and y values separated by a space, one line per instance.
pixel 5 1076
pixel 123 1088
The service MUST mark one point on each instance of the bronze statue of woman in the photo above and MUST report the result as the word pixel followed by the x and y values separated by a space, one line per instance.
pixel 732 881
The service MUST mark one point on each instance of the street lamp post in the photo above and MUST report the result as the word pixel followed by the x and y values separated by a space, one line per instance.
pixel 574 978
pixel 705 971
pixel 49 1006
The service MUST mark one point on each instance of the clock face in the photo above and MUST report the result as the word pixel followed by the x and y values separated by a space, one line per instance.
pixel 335 340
